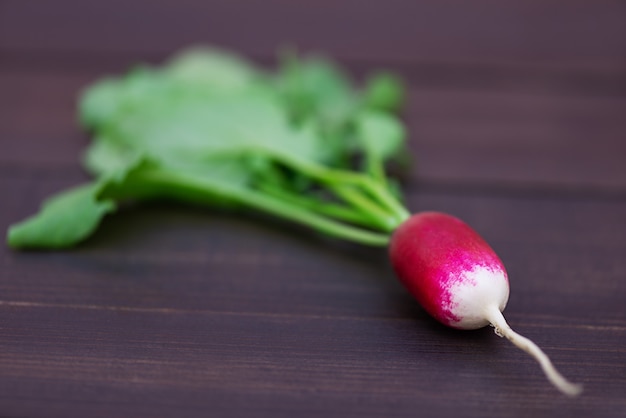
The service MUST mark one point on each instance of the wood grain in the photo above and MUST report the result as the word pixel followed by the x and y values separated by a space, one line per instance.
pixel 516 118
pixel 184 301
pixel 555 32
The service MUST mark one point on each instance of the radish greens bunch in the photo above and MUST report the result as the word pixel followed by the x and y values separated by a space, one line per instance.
pixel 301 143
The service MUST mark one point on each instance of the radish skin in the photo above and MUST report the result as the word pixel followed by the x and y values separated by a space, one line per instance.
pixel 460 281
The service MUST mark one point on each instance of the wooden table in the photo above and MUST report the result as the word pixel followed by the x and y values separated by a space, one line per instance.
pixel 517 118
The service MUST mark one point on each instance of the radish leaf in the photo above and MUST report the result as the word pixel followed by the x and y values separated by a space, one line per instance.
pixel 66 218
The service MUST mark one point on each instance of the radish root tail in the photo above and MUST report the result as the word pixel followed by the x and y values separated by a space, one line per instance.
pixel 502 329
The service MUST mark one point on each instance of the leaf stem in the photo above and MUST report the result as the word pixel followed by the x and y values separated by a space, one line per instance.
pixel 329 209
pixel 385 197
pixel 198 188
pixel 377 215
pixel 375 168
pixel 337 177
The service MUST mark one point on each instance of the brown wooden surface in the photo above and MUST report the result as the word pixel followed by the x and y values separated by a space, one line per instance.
pixel 517 114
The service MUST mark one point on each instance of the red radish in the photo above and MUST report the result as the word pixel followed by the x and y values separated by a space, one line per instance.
pixel 459 280
pixel 198 152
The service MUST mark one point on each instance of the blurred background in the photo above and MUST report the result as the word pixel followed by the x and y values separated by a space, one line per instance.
pixel 501 93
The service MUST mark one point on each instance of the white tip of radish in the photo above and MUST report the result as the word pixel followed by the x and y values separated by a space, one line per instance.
pixel 503 329
pixel 472 291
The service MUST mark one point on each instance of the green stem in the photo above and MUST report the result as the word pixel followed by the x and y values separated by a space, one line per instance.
pixel 386 198
pixel 336 177
pixel 380 217
pixel 335 211
pixel 199 189
pixel 376 169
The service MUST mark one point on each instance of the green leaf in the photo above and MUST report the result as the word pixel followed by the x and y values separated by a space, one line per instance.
pixel 315 86
pixel 212 67
pixel 198 129
pixel 72 215
pixel 105 156
pixel 99 103
pixel 170 117
pixel 315 91
pixel 384 92
pixel 380 134
pixel 197 72
pixel 64 220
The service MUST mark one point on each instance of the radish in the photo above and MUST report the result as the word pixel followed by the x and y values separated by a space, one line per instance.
pixel 460 281
pixel 302 144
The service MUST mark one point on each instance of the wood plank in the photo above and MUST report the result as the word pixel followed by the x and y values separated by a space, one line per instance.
pixel 516 114
pixel 494 134
pixel 173 309
pixel 37 119
pixel 467 136
pixel 576 34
